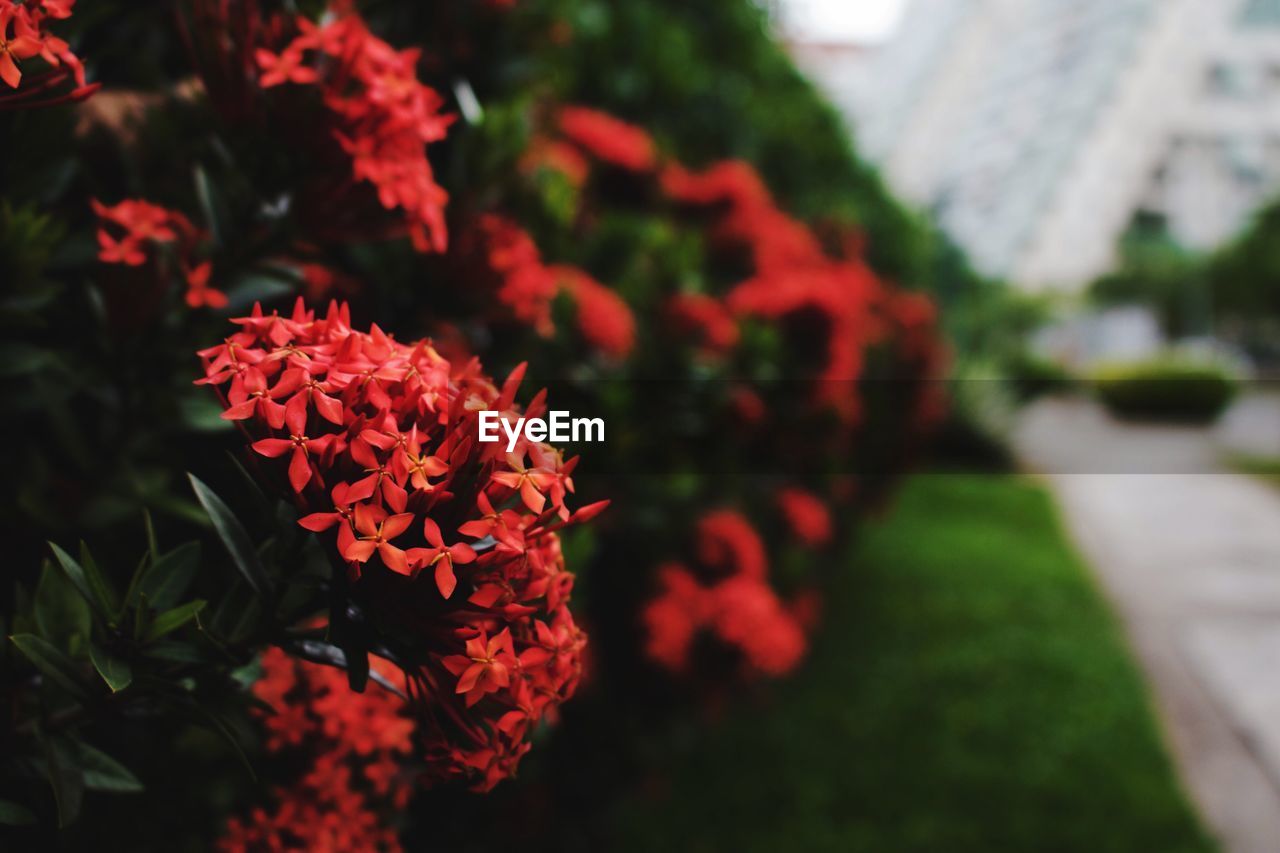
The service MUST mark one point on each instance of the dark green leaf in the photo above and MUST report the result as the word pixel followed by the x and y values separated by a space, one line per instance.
pixel 76 574
pixel 98 582
pixel 171 620
pixel 12 814
pixel 60 612
pixel 233 536
pixel 104 773
pixel 171 575
pixel 113 670
pixel 153 545
pixel 65 777
pixel 52 662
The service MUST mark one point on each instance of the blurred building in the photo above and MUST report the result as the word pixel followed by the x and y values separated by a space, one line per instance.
pixel 1038 129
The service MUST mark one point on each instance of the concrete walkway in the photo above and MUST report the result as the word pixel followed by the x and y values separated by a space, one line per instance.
pixel 1190 557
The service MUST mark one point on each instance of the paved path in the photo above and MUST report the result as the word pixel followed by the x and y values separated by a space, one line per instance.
pixel 1190 556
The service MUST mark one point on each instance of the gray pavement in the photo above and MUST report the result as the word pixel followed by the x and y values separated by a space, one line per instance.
pixel 1189 554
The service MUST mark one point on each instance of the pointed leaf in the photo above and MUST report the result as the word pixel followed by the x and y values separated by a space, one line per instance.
pixel 171 620
pixel 233 536
pixel 98 582
pixel 66 779
pixel 104 773
pixel 60 612
pixel 76 574
pixel 171 575
pixel 113 670
pixel 52 662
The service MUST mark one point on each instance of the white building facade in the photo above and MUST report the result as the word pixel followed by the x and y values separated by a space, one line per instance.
pixel 1037 129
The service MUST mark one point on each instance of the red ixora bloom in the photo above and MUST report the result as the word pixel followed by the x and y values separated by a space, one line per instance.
pixel 23 36
pixel 379 112
pixel 503 258
pixel 608 139
pixel 728 599
pixel 356 748
pixel 131 232
pixel 705 319
pixel 806 516
pixel 376 441
pixel 604 319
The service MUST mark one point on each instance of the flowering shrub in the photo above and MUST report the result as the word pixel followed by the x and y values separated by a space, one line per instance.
pixel 367 602
pixel 379 439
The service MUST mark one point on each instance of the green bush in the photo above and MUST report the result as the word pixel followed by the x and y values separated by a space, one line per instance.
pixel 1033 376
pixel 1166 389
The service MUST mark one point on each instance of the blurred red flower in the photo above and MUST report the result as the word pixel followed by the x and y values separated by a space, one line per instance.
pixel 608 139
pixel 604 319
pixel 806 516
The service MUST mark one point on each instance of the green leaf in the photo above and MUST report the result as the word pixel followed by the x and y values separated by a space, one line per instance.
pixel 65 777
pixel 52 662
pixel 113 670
pixel 76 574
pixel 233 536
pixel 210 205
pixel 60 612
pixel 171 620
pixel 12 814
pixel 98 582
pixel 104 773
pixel 171 575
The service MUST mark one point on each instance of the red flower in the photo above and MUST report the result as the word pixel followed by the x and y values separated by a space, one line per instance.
pixel 374 531
pixel 135 231
pixel 511 268
pixel 380 477
pixel 442 558
pixel 604 319
pixel 731 603
pixel 199 293
pixel 608 139
pixel 375 112
pixel 705 319
pixel 23 36
pixel 727 544
pixel 354 747
pixel 18 40
pixel 485 668
pixel 806 516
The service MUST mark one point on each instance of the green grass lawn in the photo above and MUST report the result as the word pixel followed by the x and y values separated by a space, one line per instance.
pixel 970 692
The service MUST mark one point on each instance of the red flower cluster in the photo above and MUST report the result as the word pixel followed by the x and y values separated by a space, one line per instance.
pixel 383 117
pixel 503 256
pixel 806 516
pixel 355 746
pixel 604 319
pixel 728 599
pixel 608 139
pixel 704 319
pixel 24 35
pixel 381 450
pixel 794 277
pixel 130 230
